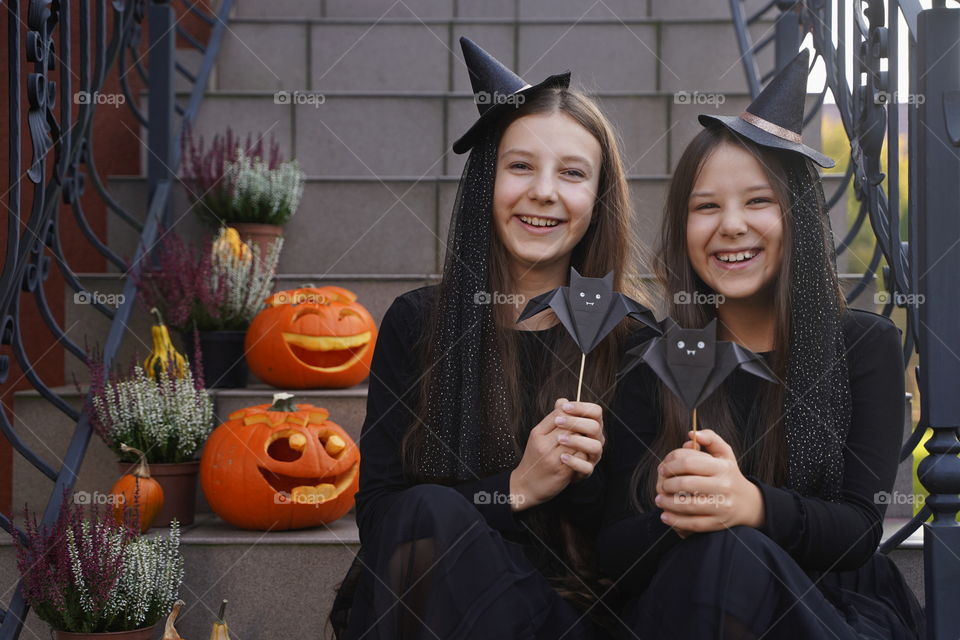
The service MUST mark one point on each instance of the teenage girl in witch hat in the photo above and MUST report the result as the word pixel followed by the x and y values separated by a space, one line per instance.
pixel 771 528
pixel 479 493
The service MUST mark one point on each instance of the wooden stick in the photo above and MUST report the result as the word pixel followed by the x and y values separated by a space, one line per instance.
pixel 696 445
pixel 583 359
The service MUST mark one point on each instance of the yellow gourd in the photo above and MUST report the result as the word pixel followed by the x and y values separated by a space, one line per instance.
pixel 163 357
pixel 169 632
pixel 219 631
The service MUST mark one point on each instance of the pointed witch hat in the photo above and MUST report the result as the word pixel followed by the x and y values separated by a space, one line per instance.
pixel 496 89
pixel 775 118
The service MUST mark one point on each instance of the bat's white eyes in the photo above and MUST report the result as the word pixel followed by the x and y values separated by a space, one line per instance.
pixel 680 345
pixel 598 296
pixel 582 294
pixel 701 344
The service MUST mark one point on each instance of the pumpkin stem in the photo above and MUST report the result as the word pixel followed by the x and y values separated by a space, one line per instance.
pixel 283 402
pixel 169 631
pixel 223 606
pixel 156 312
pixel 142 470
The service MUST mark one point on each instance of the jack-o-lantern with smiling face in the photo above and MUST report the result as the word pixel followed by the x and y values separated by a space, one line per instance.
pixel 280 466
pixel 312 337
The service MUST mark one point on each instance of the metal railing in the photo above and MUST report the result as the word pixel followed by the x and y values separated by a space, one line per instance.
pixel 922 273
pixel 33 238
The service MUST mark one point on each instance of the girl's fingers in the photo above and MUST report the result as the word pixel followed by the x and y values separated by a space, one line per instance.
pixel 575 463
pixel 690 463
pixel 692 484
pixel 589 446
pixel 582 409
pixel 586 426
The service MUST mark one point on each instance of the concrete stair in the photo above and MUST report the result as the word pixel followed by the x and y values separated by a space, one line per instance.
pixel 381 183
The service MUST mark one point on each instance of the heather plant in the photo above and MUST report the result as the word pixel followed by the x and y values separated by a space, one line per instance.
pixel 89 573
pixel 168 417
pixel 236 181
pixel 220 286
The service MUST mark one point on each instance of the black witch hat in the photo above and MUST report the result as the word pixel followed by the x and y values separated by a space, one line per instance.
pixel 495 89
pixel 775 118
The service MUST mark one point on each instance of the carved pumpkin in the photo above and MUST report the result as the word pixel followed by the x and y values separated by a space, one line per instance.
pixel 280 466
pixel 137 491
pixel 313 337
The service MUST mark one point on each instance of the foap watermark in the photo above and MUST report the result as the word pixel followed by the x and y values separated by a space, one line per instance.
pixel 96 297
pixel 885 97
pixel 314 98
pixel 485 97
pixel 86 97
pixel 497 497
pixel 698 297
pixel 898 497
pixel 695 97
pixel 714 499
pixel 98 498
pixel 899 299
pixel 301 497
pixel 498 297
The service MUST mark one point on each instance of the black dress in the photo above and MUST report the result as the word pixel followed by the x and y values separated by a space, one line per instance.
pixel 811 571
pixel 453 562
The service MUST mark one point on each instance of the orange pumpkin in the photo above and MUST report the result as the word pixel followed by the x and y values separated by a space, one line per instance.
pixel 280 466
pixel 313 337
pixel 137 491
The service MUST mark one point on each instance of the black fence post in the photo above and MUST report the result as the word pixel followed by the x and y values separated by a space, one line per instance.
pixel 938 251
pixel 160 139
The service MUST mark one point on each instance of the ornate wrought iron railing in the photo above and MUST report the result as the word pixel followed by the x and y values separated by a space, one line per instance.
pixel 921 272
pixel 110 45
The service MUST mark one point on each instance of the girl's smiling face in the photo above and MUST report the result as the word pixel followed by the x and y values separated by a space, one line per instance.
pixel 734 225
pixel 548 171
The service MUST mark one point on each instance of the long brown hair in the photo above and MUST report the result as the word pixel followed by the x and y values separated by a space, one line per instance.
pixel 606 246
pixel 766 458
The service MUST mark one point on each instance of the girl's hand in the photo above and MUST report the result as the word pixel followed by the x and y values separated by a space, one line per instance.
pixel 565 446
pixel 704 490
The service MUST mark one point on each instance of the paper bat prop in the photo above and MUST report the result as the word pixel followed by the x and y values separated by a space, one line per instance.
pixel 589 309
pixel 692 363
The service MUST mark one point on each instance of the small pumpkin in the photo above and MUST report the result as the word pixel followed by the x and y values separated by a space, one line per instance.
pixel 169 631
pixel 280 466
pixel 312 337
pixel 163 356
pixel 138 491
pixel 219 631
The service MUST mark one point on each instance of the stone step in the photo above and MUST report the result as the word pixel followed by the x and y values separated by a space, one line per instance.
pixel 223 562
pixel 409 133
pixel 423 54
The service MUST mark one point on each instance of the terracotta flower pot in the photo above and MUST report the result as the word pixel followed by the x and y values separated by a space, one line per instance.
pixel 263 235
pixel 179 482
pixel 137 634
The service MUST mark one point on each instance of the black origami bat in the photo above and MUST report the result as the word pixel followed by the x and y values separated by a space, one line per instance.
pixel 589 309
pixel 693 363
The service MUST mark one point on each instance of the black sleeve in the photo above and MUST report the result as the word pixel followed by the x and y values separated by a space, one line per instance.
pixel 394 375
pixel 630 544
pixel 822 535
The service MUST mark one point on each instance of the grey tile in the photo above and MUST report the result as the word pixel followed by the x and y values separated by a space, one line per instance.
pixel 422 9
pixel 383 57
pixel 575 9
pixel 486 8
pixel 259 115
pixel 263 56
pixel 362 227
pixel 371 136
pixel 701 9
pixel 279 9
pixel 705 57
pixel 641 123
pixel 621 57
